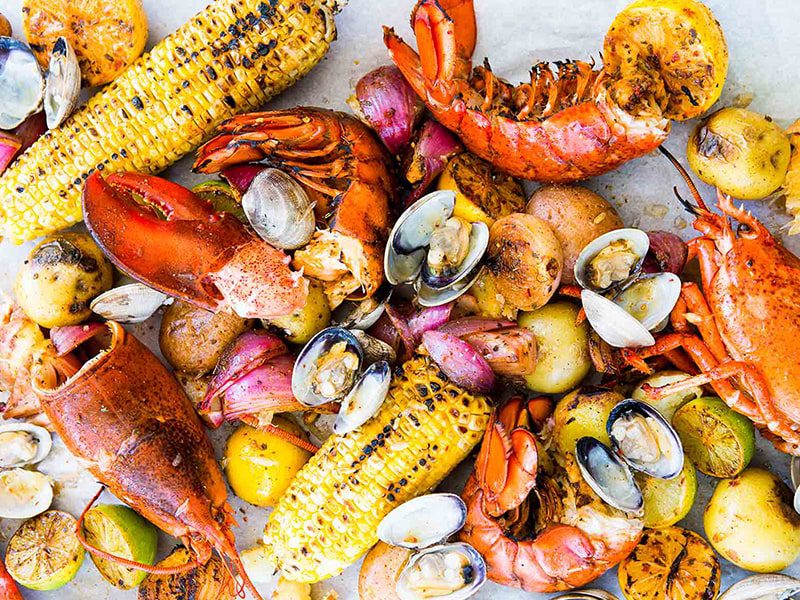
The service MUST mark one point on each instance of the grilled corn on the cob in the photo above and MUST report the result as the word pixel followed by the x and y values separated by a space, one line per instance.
pixel 329 514
pixel 228 59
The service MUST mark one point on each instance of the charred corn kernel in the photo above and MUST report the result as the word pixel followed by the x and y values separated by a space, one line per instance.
pixel 329 515
pixel 228 59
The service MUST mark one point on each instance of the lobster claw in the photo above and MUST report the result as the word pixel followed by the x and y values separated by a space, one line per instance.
pixel 207 258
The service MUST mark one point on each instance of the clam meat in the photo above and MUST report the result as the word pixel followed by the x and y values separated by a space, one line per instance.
pixel 645 440
pixel 423 521
pixel 451 572
pixel 608 475
pixel 327 368
pixel 24 494
pixel 21 83
pixel 611 259
pixel 23 444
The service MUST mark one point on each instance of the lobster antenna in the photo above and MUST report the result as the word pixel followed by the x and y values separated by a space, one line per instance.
pixel 688 206
pixel 687 178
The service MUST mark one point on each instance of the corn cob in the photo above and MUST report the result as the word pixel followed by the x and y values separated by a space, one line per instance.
pixel 228 59
pixel 329 515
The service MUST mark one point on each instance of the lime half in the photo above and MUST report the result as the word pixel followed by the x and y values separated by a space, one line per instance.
pixel 44 554
pixel 122 532
pixel 667 501
pixel 719 441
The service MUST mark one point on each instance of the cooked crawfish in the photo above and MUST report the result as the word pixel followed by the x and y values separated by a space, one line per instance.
pixel 747 316
pixel 532 517
pixel 194 253
pixel 120 412
pixel 575 121
pixel 345 169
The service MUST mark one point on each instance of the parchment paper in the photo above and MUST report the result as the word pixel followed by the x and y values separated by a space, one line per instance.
pixel 764 63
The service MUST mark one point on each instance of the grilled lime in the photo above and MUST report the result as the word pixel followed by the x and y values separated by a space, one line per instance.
pixel 719 441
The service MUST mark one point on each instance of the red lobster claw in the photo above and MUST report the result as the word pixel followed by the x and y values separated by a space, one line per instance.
pixel 204 257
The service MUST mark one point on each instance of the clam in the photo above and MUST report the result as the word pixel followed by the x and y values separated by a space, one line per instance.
pixel 375 350
pixel 21 83
pixel 437 252
pixel 645 439
pixel 327 367
pixel 608 475
pixel 364 399
pixel 589 594
pixel 423 521
pixel 448 572
pixel 63 84
pixel 23 444
pixel 771 586
pixel 613 324
pixel 363 314
pixel 129 303
pixel 279 210
pixel 24 494
pixel 796 482
pixel 611 259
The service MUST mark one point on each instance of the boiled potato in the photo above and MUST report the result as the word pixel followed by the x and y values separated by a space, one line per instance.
pixel 260 465
pixel 60 278
pixel 576 215
pixel 666 405
pixel 379 572
pixel 750 521
pixel 525 259
pixel 741 152
pixel 583 413
pixel 193 339
pixel 489 302
pixel 563 348
pixel 306 322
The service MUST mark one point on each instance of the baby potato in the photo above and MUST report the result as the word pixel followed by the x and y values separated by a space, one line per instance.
pixel 750 521
pixel 379 572
pixel 666 405
pixel 576 215
pixel 563 348
pixel 582 413
pixel 193 339
pixel 60 278
pixel 306 322
pixel 741 152
pixel 525 259
pixel 260 465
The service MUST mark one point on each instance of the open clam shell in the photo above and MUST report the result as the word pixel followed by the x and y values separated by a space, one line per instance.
pixel 129 303
pixel 375 350
pixel 614 324
pixel 645 440
pixel 24 494
pixel 795 472
pixel 63 84
pixel 23 444
pixel 589 594
pixel 447 572
pixel 429 297
pixel 363 314
pixel 327 367
pixel 279 210
pixel 423 521
pixel 478 242
pixel 21 83
pixel 651 298
pixel 365 399
pixel 773 586
pixel 608 475
pixel 611 259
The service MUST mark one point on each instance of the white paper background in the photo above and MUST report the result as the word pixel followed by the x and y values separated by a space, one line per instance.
pixel 764 62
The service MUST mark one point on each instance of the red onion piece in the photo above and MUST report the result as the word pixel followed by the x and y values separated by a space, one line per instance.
pixel 250 350
pixel 510 352
pixel 668 253
pixel 384 330
pixel 265 388
pixel 66 339
pixel 468 325
pixel 435 146
pixel 10 146
pixel 427 319
pixel 462 363
pixel 403 330
pixel 31 129
pixel 387 103
pixel 240 177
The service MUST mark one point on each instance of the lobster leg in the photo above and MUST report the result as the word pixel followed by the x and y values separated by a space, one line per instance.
pixel 703 319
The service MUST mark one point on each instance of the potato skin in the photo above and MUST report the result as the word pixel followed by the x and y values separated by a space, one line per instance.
pixel 576 215
pixel 379 572
pixel 60 278
pixel 314 316
pixel 192 339
pixel 581 413
pixel 750 521
pixel 741 152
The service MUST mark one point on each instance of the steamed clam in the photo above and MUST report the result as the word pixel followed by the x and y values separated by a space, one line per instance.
pixel 611 259
pixel 21 83
pixel 363 314
pixel 439 253
pixel 796 482
pixel 364 399
pixel 279 210
pixel 451 571
pixel 63 84
pixel 23 444
pixel 423 521
pixel 129 303
pixel 773 586
pixel 588 594
pixel 24 494
pixel 608 475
